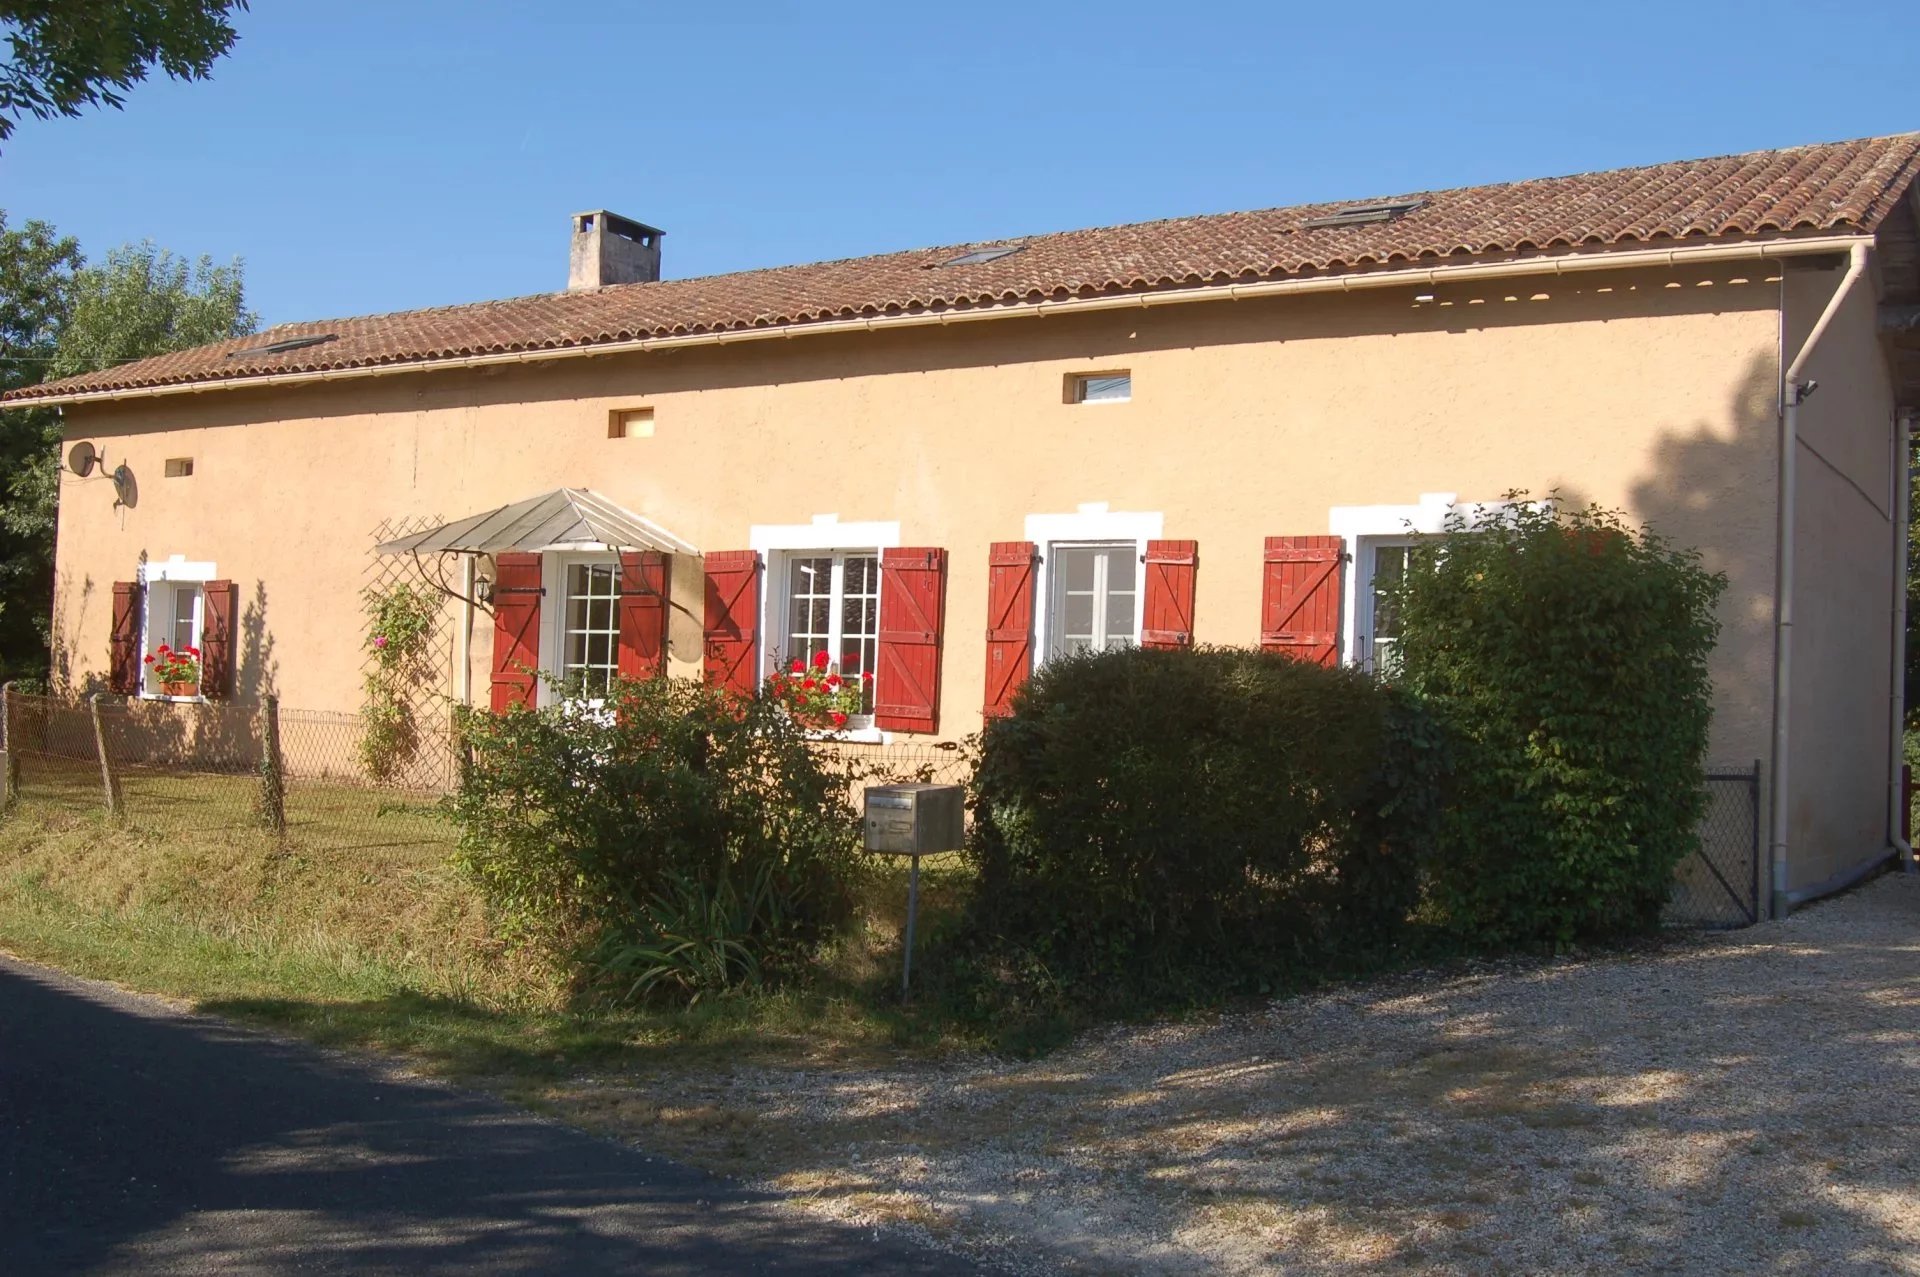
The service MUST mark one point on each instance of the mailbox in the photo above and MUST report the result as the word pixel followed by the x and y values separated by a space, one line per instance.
pixel 915 820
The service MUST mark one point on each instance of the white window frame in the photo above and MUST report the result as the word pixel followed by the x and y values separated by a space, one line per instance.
pixel 157 579
pixel 1363 527
pixel 825 534
pixel 555 565
pixel 1092 524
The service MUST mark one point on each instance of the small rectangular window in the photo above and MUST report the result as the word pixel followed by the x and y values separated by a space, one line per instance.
pixel 179 467
pixel 630 423
pixel 1100 387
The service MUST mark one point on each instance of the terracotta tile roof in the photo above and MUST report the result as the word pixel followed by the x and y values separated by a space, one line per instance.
pixel 1840 187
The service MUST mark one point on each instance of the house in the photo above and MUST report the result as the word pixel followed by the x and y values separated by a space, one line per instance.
pixel 943 466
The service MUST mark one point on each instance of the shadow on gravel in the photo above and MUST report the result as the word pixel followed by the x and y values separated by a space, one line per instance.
pixel 134 1141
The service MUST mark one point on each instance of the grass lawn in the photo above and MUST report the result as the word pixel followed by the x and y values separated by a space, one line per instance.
pixel 356 932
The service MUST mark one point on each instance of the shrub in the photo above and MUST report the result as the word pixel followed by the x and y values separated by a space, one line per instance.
pixel 1566 653
pixel 399 643
pixel 1170 826
pixel 667 842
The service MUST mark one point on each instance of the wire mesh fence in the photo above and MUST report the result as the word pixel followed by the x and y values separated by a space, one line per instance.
pixel 206 768
pixel 1719 885
pixel 308 778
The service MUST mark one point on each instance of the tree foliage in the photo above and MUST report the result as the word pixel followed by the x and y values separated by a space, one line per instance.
pixel 67 55
pixel 1566 654
pixel 60 317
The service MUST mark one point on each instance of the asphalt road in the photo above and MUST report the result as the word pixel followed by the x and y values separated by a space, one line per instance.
pixel 137 1139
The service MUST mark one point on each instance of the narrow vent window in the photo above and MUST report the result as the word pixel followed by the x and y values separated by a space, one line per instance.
pixel 1100 387
pixel 179 467
pixel 979 255
pixel 630 423
pixel 282 347
pixel 1361 214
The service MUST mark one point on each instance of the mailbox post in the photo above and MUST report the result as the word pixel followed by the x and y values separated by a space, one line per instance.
pixel 914 821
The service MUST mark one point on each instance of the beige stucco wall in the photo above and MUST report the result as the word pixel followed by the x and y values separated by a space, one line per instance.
pixel 1843 580
pixel 1651 392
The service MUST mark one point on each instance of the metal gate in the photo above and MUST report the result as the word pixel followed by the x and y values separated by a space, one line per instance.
pixel 1719 885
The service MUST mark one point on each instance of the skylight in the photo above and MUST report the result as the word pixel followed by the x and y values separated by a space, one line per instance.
pixel 979 255
pixel 1361 214
pixel 282 347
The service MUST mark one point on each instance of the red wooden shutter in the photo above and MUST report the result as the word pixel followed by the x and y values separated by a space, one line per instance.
pixel 1300 597
pixel 123 651
pixel 1009 622
pixel 221 600
pixel 733 620
pixel 516 631
pixel 912 599
pixel 644 587
pixel 1168 610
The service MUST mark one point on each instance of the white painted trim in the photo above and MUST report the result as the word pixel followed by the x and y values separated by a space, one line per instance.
pixel 1357 523
pixel 1091 524
pixel 1363 526
pixel 177 568
pixel 822 534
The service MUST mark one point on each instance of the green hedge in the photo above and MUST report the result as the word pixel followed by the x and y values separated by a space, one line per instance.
pixel 1566 654
pixel 677 841
pixel 1159 827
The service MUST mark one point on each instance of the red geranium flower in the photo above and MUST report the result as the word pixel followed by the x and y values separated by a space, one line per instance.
pixel 839 719
pixel 164 649
pixel 833 680
pixel 820 660
pixel 798 667
pixel 808 685
pixel 149 658
pixel 866 678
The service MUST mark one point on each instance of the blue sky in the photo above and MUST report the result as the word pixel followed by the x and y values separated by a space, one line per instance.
pixel 377 156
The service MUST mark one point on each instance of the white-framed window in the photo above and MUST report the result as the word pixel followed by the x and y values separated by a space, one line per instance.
pixel 830 602
pixel 175 613
pixel 1382 563
pixel 1091 578
pixel 1095 600
pixel 822 594
pixel 580 641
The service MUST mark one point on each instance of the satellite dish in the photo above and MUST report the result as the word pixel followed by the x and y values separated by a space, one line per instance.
pixel 82 458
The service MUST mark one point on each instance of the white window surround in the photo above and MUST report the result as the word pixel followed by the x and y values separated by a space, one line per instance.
pixel 1091 524
pixel 825 533
pixel 157 577
pixel 1364 526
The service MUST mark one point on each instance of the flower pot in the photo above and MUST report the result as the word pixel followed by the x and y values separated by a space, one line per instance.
pixel 180 689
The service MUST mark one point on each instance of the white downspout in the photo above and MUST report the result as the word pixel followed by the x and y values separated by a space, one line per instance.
pixel 1794 388
pixel 1903 505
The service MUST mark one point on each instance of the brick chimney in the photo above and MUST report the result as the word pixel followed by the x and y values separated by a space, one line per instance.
pixel 610 249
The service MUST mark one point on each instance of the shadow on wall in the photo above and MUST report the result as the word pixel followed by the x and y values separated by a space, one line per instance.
pixel 1713 492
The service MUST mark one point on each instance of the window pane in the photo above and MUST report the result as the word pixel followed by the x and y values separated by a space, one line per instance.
pixel 1119 618
pixel 1074 567
pixel 1106 389
pixel 1076 615
pixel 1389 567
pixel 185 601
pixel 1123 568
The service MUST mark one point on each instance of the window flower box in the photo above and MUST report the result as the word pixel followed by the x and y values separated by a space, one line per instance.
pixel 815 694
pixel 175 672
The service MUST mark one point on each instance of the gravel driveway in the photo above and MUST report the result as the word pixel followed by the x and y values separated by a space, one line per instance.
pixel 1740 1103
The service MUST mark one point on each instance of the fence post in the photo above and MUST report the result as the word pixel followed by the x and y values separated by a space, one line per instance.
pixel 109 779
pixel 9 751
pixel 273 780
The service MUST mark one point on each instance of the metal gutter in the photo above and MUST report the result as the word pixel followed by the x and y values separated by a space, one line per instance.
pixel 1365 281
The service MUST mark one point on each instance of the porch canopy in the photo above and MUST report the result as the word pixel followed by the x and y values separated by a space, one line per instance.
pixel 566 518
